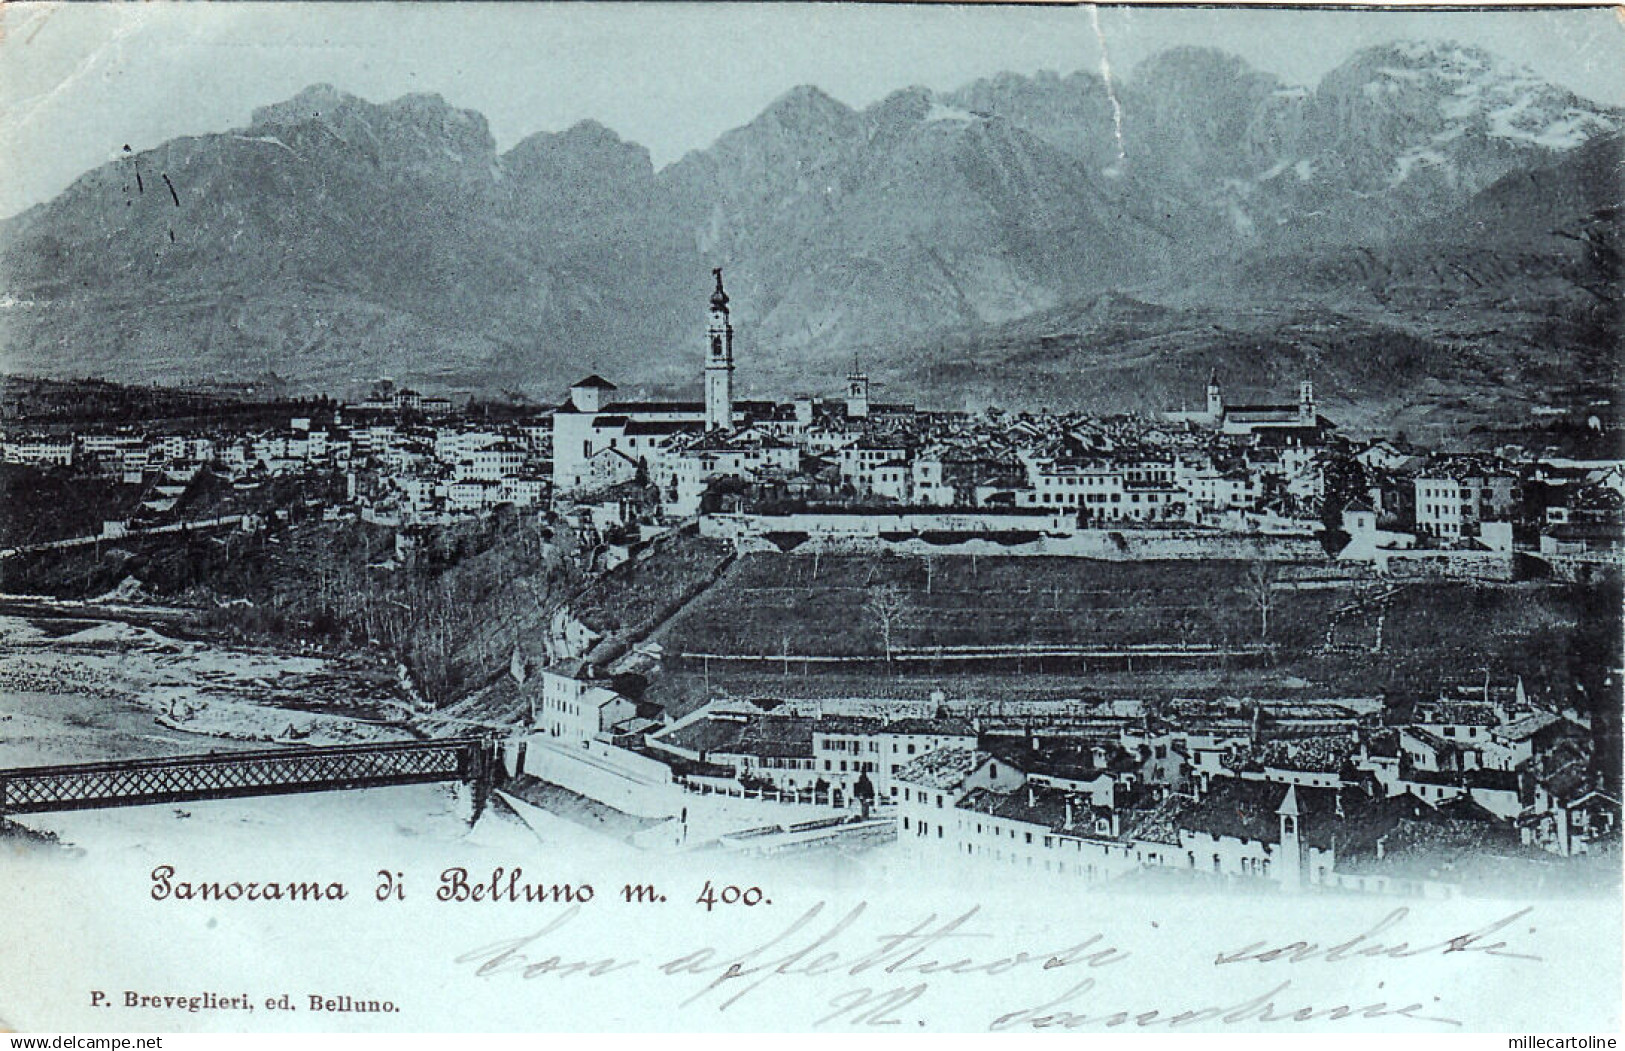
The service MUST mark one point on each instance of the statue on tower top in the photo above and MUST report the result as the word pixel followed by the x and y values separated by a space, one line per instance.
pixel 719 298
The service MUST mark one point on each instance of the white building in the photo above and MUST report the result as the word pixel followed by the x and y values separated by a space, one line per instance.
pixel 1454 497
pixel 575 711
pixel 38 450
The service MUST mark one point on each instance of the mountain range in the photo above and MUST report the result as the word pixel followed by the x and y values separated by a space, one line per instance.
pixel 1431 233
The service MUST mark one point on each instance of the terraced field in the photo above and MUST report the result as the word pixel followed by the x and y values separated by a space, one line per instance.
pixel 957 601
pixel 1326 637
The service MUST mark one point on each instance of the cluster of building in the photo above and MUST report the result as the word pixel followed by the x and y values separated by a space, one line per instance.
pixel 1269 469
pixel 405 459
pixel 1557 508
pixel 1475 787
pixel 1218 466
pixel 1261 468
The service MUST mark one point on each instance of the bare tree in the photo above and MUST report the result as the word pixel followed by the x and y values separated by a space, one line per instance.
pixel 1259 590
pixel 1186 625
pixel 886 604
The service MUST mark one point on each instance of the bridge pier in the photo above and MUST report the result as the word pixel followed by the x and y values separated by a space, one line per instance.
pixel 485 773
pixel 469 799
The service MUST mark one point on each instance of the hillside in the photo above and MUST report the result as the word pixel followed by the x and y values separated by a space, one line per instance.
pixel 1509 301
pixel 782 607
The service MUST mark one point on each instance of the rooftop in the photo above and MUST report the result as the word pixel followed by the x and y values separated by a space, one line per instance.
pixel 935 727
pixel 1250 810
pixel 760 735
pixel 656 406
pixel 1420 843
pixel 1068 759
pixel 942 769
pixel 1526 727
pixel 1051 808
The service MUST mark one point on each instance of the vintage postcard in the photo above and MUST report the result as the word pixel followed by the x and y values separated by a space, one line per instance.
pixel 811 517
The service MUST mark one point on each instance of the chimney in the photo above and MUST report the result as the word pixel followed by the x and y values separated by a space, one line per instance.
pixel 1032 797
pixel 1069 814
pixel 1382 842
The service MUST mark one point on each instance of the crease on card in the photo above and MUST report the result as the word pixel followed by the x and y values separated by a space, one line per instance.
pixel 130 23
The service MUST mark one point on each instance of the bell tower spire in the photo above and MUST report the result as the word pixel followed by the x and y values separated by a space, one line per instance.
pixel 719 361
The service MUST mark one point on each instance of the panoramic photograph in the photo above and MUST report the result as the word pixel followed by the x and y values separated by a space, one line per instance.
pixel 1175 453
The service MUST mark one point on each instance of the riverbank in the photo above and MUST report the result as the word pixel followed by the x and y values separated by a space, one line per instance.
pixel 80 684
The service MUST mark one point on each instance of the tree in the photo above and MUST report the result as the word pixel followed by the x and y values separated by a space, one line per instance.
pixel 864 792
pixel 1259 590
pixel 886 604
pixel 1343 481
pixel 1187 625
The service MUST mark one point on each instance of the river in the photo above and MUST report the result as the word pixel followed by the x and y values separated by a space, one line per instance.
pixel 79 685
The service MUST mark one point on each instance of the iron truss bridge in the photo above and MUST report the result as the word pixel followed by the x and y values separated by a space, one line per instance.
pixel 229 775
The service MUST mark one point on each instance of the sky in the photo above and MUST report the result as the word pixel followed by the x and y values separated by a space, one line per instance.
pixel 78 81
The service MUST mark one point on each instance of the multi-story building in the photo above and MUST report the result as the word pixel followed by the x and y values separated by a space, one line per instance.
pixel 1455 495
pixel 576 711
pixel 39 450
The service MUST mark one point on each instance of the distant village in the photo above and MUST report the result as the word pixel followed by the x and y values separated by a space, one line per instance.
pixel 1476 785
pixel 858 467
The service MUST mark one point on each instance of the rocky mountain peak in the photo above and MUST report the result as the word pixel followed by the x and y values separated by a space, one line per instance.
pixel 1190 113
pixel 905 106
pixel 307 105
pixel 1442 57
pixel 1182 70
pixel 420 130
pixel 806 105
pixel 586 148
pixel 1448 91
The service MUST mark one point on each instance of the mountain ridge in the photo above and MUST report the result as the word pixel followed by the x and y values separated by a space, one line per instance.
pixel 332 239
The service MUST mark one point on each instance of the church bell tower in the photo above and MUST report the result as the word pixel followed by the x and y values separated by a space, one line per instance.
pixel 1290 870
pixel 857 391
pixel 719 362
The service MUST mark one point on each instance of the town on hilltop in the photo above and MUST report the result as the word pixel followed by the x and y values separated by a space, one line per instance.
pixel 1226 646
